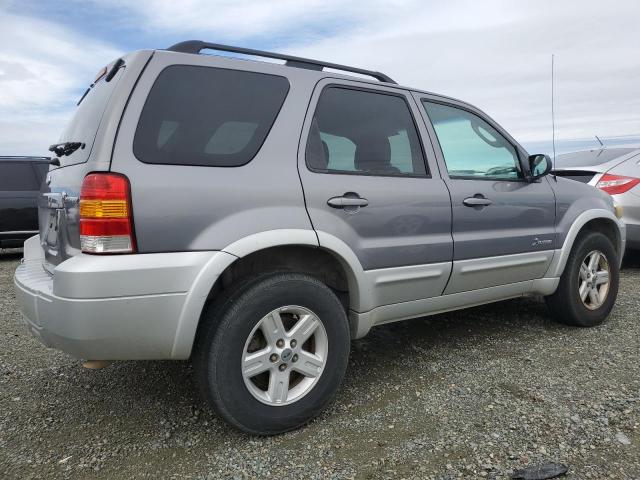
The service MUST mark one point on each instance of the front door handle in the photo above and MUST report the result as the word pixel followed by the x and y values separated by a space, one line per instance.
pixel 347 202
pixel 477 201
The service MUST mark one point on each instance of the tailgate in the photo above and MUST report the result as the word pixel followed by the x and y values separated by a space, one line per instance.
pixel 58 203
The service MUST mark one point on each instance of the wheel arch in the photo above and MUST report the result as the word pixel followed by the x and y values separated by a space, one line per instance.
pixel 599 220
pixel 276 250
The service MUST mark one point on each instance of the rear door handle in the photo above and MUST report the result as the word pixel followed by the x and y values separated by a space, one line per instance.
pixel 346 202
pixel 477 201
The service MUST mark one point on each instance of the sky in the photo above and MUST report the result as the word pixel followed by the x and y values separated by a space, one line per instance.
pixel 495 54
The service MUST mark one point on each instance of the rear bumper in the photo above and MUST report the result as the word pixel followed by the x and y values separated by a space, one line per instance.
pixel 122 307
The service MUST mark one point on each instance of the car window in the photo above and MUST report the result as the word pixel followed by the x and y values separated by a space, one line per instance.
pixel 207 116
pixel 356 131
pixel 471 147
pixel 17 176
pixel 86 118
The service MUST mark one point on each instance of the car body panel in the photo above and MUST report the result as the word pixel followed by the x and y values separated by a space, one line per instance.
pixel 408 219
pixel 216 206
pixel 520 222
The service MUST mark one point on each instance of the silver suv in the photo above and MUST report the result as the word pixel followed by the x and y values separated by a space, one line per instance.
pixel 255 217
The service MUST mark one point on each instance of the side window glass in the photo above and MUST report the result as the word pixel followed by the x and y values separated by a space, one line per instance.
pixel 207 116
pixel 471 147
pixel 355 131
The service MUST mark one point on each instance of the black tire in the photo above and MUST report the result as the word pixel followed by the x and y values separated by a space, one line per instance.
pixel 565 305
pixel 221 343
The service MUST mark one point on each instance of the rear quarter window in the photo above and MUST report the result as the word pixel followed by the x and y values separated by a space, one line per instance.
pixel 207 116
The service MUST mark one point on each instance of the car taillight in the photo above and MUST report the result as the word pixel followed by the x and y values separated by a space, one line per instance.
pixel 615 184
pixel 105 214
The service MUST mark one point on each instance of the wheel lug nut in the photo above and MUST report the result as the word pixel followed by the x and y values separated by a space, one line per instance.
pixel 273 357
pixel 282 367
pixel 280 343
pixel 294 358
pixel 293 343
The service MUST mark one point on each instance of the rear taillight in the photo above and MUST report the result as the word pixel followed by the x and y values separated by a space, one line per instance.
pixel 616 184
pixel 106 224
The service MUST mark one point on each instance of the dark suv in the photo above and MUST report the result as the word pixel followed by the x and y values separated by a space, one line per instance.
pixel 255 217
pixel 20 179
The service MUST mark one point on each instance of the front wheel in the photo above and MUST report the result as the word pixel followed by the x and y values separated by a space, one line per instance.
pixel 273 354
pixel 589 284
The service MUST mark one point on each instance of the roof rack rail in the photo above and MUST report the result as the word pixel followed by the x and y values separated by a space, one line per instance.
pixel 196 46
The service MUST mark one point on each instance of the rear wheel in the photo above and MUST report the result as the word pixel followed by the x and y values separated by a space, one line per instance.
pixel 589 284
pixel 273 354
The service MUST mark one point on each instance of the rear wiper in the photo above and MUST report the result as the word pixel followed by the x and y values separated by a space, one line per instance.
pixel 66 148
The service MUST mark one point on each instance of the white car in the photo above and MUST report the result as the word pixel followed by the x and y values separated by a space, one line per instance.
pixel 615 171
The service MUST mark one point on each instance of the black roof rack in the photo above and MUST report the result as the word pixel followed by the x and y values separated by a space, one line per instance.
pixel 195 46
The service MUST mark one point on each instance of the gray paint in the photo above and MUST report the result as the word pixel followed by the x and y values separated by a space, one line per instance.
pixel 519 213
pixel 208 208
pixel 573 199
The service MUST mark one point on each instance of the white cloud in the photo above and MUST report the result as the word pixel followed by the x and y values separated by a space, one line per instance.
pixel 43 68
pixel 494 54
pixel 497 55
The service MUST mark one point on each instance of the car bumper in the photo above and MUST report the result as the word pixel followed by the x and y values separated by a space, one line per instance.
pixel 120 307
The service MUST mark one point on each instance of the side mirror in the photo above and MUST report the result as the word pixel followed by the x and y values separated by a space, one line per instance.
pixel 539 166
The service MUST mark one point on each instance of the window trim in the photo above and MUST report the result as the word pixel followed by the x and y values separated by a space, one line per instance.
pixel 268 132
pixel 494 125
pixel 404 97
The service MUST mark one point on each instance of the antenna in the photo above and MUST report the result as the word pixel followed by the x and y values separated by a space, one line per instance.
pixel 553 116
pixel 600 141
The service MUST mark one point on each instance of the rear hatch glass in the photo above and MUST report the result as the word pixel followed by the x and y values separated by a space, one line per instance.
pixel 85 121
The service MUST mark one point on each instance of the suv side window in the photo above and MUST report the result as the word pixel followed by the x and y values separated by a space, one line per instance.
pixel 471 147
pixel 364 132
pixel 17 176
pixel 207 116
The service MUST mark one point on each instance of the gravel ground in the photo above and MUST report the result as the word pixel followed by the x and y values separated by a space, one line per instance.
pixel 470 394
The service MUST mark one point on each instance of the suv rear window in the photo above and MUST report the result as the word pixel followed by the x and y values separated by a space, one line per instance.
pixel 207 116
